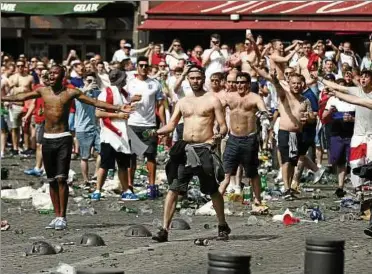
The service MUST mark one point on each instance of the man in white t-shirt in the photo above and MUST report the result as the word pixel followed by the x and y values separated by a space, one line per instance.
pixel 143 119
pixel 175 54
pixel 126 51
pixel 361 142
pixel 214 59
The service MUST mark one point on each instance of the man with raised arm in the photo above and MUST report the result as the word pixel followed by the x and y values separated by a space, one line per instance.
pixel 194 154
pixel 57 141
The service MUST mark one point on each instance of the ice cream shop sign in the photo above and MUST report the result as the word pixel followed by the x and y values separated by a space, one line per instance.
pixel 50 8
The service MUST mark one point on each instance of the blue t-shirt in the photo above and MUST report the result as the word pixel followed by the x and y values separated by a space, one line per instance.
pixel 311 128
pixel 85 115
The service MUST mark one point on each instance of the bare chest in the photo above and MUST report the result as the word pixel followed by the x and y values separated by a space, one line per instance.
pixel 197 107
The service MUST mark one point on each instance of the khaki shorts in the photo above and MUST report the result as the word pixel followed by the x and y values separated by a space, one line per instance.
pixel 15 116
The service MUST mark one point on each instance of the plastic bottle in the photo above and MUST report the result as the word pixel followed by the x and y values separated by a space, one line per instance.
pixel 46 211
pixel 148 133
pixel 263 182
pixel 247 195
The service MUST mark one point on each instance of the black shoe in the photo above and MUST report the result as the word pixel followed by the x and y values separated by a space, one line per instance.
pixel 14 152
pixel 161 236
pixel 340 192
pixel 223 232
pixel 368 231
pixel 288 195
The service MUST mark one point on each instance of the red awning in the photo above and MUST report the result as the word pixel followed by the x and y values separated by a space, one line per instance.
pixel 312 8
pixel 153 24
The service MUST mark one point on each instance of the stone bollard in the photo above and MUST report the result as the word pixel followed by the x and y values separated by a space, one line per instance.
pixel 228 263
pixel 324 256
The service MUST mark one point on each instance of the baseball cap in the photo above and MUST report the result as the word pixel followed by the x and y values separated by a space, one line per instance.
pixel 330 77
pixel 127 45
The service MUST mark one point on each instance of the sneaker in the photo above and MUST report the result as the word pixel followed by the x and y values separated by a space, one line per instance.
pixel 96 196
pixel 33 172
pixel 14 152
pixel 288 195
pixel 60 224
pixel 223 232
pixel 161 236
pixel 340 192
pixel 319 174
pixel 129 196
pixel 52 224
pixel 368 231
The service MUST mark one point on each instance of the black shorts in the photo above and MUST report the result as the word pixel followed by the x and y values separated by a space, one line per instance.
pixel 284 147
pixel 205 173
pixel 109 155
pixel 57 156
pixel 39 132
pixel 241 151
pixel 179 130
pixel 151 142
pixel 308 140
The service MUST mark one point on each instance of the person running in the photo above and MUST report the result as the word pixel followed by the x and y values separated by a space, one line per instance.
pixel 57 142
pixel 193 155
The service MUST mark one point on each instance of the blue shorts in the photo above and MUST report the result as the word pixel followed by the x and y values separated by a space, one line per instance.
pixel 71 121
pixel 87 140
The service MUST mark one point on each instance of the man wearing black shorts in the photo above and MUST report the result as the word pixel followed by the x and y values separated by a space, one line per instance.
pixel 57 142
pixel 193 156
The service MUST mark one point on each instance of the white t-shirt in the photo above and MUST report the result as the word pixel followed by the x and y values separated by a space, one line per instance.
pixel 340 105
pixel 350 60
pixel 150 89
pixel 217 62
pixel 120 55
pixel 363 116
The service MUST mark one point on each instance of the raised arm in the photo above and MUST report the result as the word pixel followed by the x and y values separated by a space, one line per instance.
pixel 281 59
pixel 364 102
pixel 333 85
pixel 20 97
pixel 99 104
pixel 173 122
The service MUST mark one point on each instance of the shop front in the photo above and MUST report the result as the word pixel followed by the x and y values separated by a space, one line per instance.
pixel 53 29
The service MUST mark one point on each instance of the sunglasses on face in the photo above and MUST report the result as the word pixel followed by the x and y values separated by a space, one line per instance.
pixel 177 45
pixel 20 66
pixel 247 44
pixel 215 42
pixel 215 80
pixel 33 61
pixel 241 82
pixel 143 65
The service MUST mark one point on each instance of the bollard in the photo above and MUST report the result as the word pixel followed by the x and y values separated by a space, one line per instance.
pixel 228 263
pixel 324 256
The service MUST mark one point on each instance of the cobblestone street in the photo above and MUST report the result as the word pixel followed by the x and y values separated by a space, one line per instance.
pixel 273 247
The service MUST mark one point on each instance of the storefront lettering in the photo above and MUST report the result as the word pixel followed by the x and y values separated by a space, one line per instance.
pixel 8 7
pixel 86 7
pixel 316 7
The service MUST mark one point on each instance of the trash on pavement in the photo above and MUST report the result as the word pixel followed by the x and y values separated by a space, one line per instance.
pixel 63 268
pixel 71 176
pixel 42 201
pixel 201 242
pixel 4 173
pixel 18 193
pixel 145 210
pixel 4 225
pixel 316 214
pixel 252 220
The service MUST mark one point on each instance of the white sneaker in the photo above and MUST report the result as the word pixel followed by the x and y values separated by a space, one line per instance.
pixel 60 224
pixel 319 174
pixel 52 224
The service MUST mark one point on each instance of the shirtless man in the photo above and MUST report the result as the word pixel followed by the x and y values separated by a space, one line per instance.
pixel 242 146
pixel 217 90
pixel 293 109
pixel 199 113
pixel 250 55
pixel 57 142
pixel 277 59
pixel 20 82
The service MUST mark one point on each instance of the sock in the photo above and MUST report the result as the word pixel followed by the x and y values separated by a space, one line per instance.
pixel 97 191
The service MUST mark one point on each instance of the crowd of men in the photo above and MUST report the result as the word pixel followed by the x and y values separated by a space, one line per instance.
pixel 216 110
